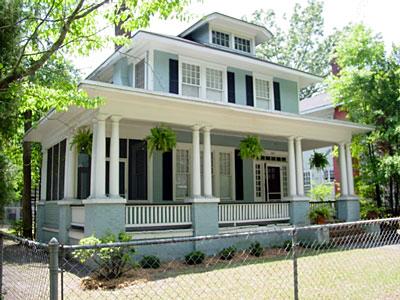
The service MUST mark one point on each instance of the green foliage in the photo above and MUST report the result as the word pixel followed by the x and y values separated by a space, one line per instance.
pixel 320 192
pixel 111 262
pixel 194 258
pixel 83 141
pixel 150 262
pixel 7 180
pixel 369 210
pixel 319 161
pixel 251 148
pixel 227 253
pixel 368 90
pixel 256 249
pixel 300 42
pixel 162 139
pixel 16 228
pixel 320 212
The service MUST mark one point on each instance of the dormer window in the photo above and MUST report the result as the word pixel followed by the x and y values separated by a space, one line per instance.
pixel 220 38
pixel 242 44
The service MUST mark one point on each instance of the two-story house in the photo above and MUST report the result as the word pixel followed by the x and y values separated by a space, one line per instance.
pixel 208 85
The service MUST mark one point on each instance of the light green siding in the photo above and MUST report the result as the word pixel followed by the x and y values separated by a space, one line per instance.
pixel 240 84
pixel 200 35
pixel 157 176
pixel 51 214
pixel 161 70
pixel 122 72
pixel 248 180
pixel 289 95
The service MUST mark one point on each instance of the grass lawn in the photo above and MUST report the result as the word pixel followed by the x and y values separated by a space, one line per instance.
pixel 354 274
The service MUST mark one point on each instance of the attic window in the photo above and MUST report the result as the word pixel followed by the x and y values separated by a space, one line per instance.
pixel 220 38
pixel 242 44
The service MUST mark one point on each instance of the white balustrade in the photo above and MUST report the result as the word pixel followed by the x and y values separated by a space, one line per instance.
pixel 157 215
pixel 252 212
pixel 77 215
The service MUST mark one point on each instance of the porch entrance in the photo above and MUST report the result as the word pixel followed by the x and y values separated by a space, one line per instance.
pixel 269 181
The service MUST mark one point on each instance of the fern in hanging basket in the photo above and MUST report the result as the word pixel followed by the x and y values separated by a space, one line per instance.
pixel 318 161
pixel 161 138
pixel 83 141
pixel 251 148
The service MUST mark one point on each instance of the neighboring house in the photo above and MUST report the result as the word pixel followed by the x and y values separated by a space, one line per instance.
pixel 322 106
pixel 211 89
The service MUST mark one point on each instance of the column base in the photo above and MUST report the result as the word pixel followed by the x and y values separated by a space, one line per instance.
pixel 204 215
pixel 299 210
pixel 348 208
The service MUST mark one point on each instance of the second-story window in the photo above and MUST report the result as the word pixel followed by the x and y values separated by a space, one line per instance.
pixel 242 44
pixel 214 85
pixel 220 38
pixel 263 94
pixel 190 80
pixel 139 74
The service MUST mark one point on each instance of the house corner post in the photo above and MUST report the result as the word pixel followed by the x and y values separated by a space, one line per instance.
pixel 348 205
pixel 299 203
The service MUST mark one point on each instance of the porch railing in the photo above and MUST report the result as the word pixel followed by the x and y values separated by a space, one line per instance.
pixel 252 212
pixel 158 215
pixel 78 215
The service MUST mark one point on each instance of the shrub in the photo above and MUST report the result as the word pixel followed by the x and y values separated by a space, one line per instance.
pixel 287 245
pixel 255 249
pixel 17 228
pixel 369 210
pixel 195 258
pixel 321 192
pixel 320 214
pixel 227 253
pixel 150 262
pixel 111 262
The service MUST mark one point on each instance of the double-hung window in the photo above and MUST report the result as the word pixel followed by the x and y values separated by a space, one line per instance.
pixel 242 44
pixel 263 93
pixel 190 80
pixel 214 85
pixel 220 38
pixel 139 74
pixel 182 181
pixel 225 175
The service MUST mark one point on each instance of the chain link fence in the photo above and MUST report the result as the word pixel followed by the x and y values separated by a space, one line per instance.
pixel 356 260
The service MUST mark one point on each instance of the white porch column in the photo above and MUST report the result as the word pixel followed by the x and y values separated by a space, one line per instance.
pixel 70 166
pixel 299 168
pixel 93 159
pixel 349 163
pixel 100 186
pixel 43 175
pixel 207 173
pixel 114 157
pixel 196 176
pixel 343 171
pixel 292 168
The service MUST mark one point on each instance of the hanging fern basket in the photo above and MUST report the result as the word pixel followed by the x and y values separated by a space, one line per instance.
pixel 161 138
pixel 318 161
pixel 251 148
pixel 83 141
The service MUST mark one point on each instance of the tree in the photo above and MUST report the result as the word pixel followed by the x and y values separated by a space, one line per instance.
pixel 368 88
pixel 302 46
pixel 35 35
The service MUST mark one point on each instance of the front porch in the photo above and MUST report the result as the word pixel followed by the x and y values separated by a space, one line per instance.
pixel 202 187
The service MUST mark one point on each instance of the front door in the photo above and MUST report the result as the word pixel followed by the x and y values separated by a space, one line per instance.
pixel 273 183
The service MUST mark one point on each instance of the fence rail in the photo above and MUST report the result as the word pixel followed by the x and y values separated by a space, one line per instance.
pixel 140 216
pixel 252 212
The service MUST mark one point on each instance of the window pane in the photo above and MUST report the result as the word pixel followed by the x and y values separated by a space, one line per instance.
pixel 263 94
pixel 220 38
pixel 225 175
pixel 182 173
pixel 139 74
pixel 214 79
pixel 190 90
pixel 190 74
pixel 242 44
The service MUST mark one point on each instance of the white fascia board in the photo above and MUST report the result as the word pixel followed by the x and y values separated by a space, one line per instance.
pixel 210 104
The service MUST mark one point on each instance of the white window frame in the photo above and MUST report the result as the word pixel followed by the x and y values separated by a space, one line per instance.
pixel 232 34
pixel 136 60
pixel 223 32
pixel 203 77
pixel 243 38
pixel 271 89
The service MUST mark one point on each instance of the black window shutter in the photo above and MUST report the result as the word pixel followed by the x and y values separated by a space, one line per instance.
pixel 231 87
pixel 84 163
pixel 56 155
pixel 107 178
pixel 123 148
pixel 167 175
pixel 173 76
pixel 238 175
pixel 49 171
pixel 122 178
pixel 61 176
pixel 108 144
pixel 137 188
pixel 277 96
pixel 249 90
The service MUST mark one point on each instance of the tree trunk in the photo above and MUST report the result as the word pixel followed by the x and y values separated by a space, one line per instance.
pixel 378 197
pixel 26 195
pixel 397 196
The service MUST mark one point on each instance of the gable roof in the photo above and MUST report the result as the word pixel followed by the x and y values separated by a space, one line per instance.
pixel 260 32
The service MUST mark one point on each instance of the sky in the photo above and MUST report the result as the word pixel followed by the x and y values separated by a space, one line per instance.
pixel 380 15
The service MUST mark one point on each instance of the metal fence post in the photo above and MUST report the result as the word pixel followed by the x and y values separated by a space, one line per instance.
pixel 294 257
pixel 53 268
pixel 1 266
